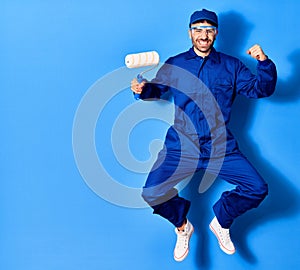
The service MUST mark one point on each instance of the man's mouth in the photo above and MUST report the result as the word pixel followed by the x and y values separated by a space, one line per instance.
pixel 203 42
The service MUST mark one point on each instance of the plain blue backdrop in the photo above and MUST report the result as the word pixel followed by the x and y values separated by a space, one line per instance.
pixel 51 53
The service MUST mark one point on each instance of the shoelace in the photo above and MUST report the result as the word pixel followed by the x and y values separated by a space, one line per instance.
pixel 225 235
pixel 182 240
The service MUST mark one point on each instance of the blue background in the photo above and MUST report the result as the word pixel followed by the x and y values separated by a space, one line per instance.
pixel 51 52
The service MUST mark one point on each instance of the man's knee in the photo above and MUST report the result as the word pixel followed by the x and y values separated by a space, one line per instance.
pixel 264 190
pixel 259 192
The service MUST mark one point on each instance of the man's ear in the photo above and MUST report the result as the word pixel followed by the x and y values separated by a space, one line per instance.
pixel 217 32
pixel 190 34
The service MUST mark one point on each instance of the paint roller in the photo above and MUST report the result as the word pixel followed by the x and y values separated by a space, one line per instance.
pixel 143 59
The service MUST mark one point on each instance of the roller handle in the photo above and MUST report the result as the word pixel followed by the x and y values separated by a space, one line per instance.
pixel 140 80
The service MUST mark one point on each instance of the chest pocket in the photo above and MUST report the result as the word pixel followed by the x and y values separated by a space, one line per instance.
pixel 223 91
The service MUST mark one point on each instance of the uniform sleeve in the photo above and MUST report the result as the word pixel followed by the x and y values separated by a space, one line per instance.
pixel 257 86
pixel 159 85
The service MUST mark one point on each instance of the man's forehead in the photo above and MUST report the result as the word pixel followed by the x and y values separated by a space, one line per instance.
pixel 201 23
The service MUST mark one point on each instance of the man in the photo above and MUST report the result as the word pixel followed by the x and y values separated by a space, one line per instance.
pixel 196 136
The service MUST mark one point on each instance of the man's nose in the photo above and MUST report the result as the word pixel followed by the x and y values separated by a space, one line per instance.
pixel 204 34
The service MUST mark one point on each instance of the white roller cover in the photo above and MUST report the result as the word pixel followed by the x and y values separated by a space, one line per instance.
pixel 142 59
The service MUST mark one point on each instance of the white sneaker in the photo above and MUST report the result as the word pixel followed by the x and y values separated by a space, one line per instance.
pixel 182 244
pixel 223 236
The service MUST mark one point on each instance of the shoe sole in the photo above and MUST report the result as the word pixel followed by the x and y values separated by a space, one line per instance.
pixel 187 251
pixel 224 249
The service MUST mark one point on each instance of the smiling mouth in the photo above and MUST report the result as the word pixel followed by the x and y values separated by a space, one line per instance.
pixel 203 42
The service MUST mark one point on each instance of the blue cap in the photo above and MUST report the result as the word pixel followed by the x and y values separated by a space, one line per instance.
pixel 204 14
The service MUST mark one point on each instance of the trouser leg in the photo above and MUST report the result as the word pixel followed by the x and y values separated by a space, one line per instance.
pixel 174 210
pixel 159 191
pixel 250 189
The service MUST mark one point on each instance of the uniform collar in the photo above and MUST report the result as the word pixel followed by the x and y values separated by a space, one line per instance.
pixel 214 56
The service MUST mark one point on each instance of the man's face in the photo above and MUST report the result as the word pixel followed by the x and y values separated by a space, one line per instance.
pixel 203 36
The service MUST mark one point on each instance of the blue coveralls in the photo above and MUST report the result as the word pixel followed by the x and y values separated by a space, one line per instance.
pixel 189 141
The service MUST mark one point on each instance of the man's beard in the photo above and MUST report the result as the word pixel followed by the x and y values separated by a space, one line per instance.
pixel 203 49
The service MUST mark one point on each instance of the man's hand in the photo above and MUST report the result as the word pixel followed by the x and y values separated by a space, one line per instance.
pixel 257 53
pixel 137 87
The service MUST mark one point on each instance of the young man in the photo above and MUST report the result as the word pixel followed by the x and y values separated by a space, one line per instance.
pixel 196 136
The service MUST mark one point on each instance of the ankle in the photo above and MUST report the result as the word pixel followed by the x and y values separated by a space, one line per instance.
pixel 181 228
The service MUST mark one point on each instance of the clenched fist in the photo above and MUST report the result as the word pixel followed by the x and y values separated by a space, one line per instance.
pixel 257 53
